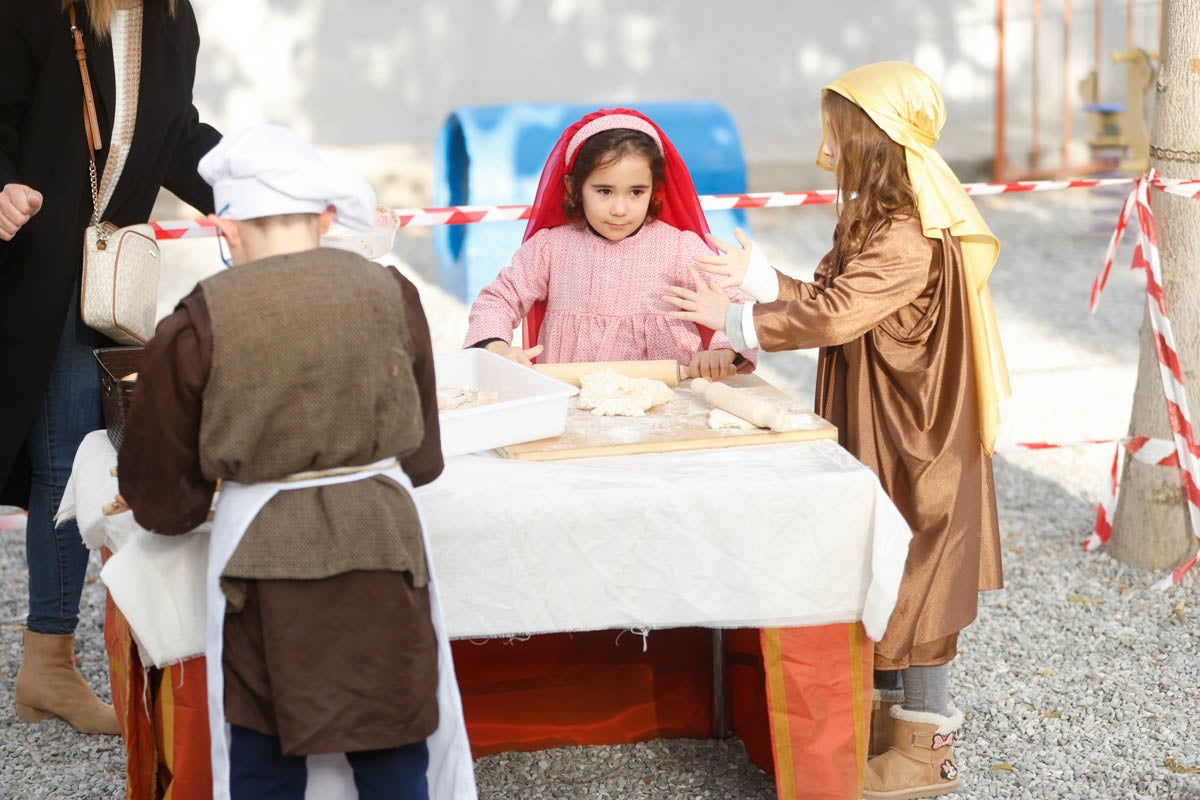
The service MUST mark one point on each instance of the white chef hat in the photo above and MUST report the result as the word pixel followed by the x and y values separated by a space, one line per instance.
pixel 267 170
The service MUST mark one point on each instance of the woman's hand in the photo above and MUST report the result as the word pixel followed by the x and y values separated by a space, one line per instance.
pixel 705 305
pixel 713 364
pixel 733 263
pixel 18 204
pixel 515 353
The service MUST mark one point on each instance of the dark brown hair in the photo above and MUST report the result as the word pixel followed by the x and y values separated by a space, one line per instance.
pixel 603 150
pixel 872 174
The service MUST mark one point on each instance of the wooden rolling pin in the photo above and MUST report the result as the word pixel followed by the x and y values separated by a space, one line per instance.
pixel 668 371
pixel 740 403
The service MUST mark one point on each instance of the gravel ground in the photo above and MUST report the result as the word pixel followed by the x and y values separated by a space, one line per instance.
pixel 1077 681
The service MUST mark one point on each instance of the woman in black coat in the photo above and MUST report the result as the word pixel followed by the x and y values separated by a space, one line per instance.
pixel 51 396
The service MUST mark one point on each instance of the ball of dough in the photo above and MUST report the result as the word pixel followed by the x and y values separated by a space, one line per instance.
pixel 608 393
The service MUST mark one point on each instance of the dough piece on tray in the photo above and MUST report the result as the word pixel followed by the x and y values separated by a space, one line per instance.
pixel 610 394
pixel 722 420
pixel 798 421
pixel 455 398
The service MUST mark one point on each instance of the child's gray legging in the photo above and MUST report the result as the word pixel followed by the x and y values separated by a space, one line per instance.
pixel 925 688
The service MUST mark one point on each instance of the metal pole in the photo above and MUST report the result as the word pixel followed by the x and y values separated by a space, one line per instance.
pixel 1129 26
pixel 1097 47
pixel 999 167
pixel 718 684
pixel 1035 121
pixel 1066 85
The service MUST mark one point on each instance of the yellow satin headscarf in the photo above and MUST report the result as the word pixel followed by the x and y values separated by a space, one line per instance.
pixel 907 105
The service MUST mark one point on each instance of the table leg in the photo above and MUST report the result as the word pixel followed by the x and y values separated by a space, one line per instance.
pixel 719 730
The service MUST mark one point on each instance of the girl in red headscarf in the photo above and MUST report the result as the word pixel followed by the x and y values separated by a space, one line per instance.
pixel 616 218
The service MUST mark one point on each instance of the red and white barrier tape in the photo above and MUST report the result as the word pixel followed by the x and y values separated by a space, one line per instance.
pixel 1182 452
pixel 12 522
pixel 1156 452
pixel 1005 449
pixel 182 229
pixel 466 215
pixel 459 215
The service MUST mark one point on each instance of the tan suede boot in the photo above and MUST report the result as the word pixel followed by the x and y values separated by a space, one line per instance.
pixel 882 701
pixel 920 762
pixel 49 685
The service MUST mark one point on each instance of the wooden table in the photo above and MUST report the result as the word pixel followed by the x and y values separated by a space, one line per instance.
pixel 797 540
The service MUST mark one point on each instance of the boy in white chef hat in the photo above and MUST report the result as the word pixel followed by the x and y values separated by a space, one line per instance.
pixel 271 176
pixel 303 380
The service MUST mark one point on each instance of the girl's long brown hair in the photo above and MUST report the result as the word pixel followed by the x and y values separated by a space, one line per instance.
pixel 101 14
pixel 871 171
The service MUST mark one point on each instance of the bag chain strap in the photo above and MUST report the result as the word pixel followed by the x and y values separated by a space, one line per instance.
pixel 95 220
pixel 91 126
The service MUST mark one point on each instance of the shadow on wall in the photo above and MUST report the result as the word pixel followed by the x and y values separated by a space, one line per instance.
pixel 373 71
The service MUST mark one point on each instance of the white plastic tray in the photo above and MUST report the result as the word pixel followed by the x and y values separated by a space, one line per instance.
pixel 531 406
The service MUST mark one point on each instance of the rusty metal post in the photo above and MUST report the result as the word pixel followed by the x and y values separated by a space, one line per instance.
pixel 1129 25
pixel 1066 85
pixel 999 167
pixel 1035 144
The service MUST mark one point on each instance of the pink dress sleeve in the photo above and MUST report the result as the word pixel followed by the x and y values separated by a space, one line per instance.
pixel 503 303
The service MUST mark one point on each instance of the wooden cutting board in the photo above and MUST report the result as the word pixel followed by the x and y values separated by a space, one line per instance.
pixel 679 425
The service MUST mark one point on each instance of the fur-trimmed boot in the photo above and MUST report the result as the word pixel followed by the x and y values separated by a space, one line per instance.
pixel 882 701
pixel 49 685
pixel 920 762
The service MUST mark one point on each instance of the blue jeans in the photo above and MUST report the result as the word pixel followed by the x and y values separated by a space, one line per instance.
pixel 258 770
pixel 70 410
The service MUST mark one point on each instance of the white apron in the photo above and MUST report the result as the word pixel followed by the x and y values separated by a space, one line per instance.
pixel 451 772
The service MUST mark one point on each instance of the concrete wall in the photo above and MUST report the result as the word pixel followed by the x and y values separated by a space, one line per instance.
pixel 377 78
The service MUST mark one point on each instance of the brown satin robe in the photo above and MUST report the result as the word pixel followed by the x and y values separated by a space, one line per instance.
pixel 895 376
pixel 339 664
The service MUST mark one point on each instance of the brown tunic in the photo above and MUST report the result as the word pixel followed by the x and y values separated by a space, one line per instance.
pixel 332 653
pixel 895 376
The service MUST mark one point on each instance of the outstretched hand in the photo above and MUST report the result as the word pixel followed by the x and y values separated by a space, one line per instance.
pixel 733 263
pixel 18 204
pixel 518 355
pixel 705 305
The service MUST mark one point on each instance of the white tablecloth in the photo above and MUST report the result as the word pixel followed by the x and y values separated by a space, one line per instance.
pixel 760 536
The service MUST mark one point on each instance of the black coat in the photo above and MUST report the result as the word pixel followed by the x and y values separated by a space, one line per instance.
pixel 42 145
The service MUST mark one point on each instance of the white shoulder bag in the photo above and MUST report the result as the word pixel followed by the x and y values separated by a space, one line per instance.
pixel 118 293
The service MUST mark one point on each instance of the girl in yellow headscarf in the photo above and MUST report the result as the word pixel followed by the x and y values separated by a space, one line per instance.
pixel 910 371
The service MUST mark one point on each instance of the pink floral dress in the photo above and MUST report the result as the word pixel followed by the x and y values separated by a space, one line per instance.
pixel 604 299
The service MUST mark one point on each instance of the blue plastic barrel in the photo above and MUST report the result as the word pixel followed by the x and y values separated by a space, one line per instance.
pixel 494 156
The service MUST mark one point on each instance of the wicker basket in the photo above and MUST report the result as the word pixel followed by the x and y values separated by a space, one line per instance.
pixel 115 363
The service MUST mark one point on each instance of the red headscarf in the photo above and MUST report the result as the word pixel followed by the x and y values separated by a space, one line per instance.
pixel 680 204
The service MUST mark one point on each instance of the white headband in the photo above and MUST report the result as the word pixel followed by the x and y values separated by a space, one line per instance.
pixel 607 123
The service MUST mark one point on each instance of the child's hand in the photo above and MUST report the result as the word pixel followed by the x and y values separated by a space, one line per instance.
pixel 705 305
pixel 515 353
pixel 713 365
pixel 734 261
pixel 117 506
